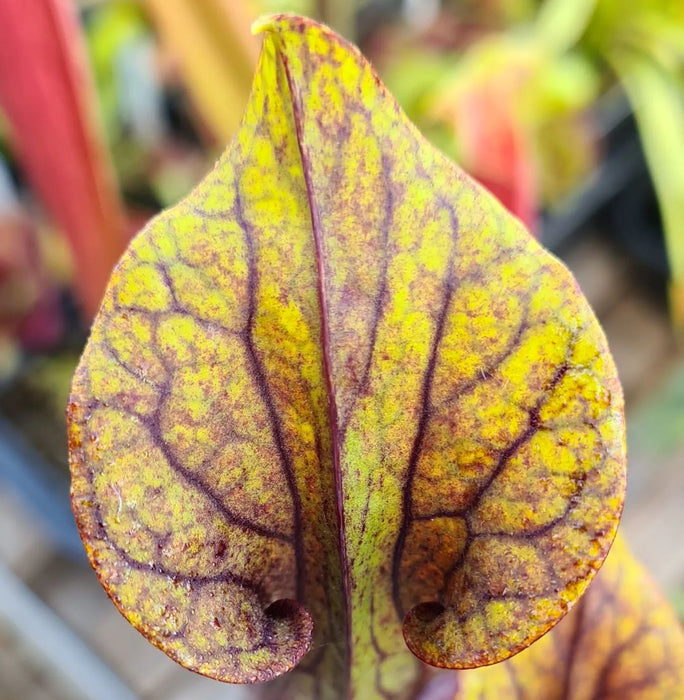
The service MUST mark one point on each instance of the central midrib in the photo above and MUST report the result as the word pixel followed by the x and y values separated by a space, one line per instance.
pixel 327 365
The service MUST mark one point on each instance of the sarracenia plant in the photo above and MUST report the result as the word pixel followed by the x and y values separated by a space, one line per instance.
pixel 339 413
pixel 47 95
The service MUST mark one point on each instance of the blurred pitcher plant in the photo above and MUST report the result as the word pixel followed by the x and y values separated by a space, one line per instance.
pixel 47 96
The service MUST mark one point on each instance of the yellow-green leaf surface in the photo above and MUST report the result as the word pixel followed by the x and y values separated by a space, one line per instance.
pixel 341 376
pixel 622 642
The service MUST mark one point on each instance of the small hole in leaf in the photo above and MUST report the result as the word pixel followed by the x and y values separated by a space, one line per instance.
pixel 427 612
pixel 283 609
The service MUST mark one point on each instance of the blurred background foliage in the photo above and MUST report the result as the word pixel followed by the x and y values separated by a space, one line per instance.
pixel 113 109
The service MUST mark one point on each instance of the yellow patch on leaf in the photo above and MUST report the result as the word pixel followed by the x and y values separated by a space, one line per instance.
pixel 339 386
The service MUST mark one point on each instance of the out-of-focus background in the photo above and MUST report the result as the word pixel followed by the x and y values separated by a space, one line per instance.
pixel 570 111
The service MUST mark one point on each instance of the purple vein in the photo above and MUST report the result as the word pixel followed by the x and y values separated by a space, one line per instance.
pixel 388 214
pixel 572 650
pixel 601 689
pixel 488 372
pixel 532 427
pixel 226 576
pixel 327 362
pixel 101 532
pixel 267 397
pixel 151 423
pixel 419 439
pixel 504 458
pixel 202 487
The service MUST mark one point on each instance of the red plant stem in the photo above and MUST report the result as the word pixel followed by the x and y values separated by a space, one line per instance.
pixel 47 94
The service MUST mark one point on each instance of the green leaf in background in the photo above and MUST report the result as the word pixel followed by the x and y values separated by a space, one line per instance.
pixel 643 42
pixel 658 102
